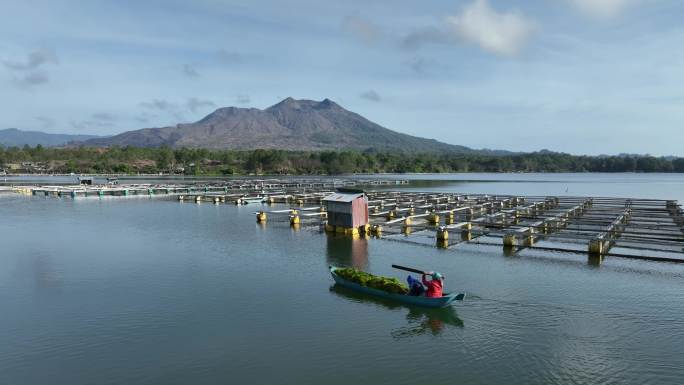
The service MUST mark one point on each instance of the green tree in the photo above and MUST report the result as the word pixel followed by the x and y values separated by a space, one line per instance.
pixel 165 158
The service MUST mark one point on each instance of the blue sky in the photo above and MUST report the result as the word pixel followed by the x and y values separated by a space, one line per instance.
pixel 580 76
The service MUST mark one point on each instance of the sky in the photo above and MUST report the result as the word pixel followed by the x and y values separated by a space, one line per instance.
pixel 577 76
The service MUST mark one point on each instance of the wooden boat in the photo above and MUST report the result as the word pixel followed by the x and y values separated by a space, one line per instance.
pixel 442 301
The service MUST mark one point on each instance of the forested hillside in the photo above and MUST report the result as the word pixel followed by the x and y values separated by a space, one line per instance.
pixel 227 162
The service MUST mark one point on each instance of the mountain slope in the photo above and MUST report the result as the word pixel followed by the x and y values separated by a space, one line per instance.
pixel 13 137
pixel 291 125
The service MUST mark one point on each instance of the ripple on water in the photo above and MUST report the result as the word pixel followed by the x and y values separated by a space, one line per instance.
pixel 159 292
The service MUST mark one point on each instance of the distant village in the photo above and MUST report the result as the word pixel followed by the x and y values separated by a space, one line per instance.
pixel 24 168
pixel 61 167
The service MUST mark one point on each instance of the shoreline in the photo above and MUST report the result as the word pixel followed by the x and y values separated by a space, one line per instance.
pixel 338 175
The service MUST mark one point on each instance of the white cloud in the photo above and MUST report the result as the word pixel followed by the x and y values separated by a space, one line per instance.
pixel 190 71
pixel 96 121
pixel 601 8
pixel 243 99
pixel 33 60
pixel 417 38
pixel 163 105
pixel 502 33
pixel 30 72
pixel 371 95
pixel 195 104
pixel 46 122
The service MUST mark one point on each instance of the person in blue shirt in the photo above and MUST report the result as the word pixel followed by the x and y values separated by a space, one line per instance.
pixel 416 287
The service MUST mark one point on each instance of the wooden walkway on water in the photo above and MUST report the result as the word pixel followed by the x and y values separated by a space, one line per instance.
pixel 230 188
pixel 648 229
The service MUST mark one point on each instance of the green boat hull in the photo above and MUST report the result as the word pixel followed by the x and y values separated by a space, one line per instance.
pixel 433 302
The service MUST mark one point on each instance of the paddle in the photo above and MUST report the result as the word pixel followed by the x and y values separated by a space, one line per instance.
pixel 412 270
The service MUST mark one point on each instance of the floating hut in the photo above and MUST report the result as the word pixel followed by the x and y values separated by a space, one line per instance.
pixel 347 211
pixel 84 180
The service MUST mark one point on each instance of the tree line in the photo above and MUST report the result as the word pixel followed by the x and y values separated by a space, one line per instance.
pixel 132 160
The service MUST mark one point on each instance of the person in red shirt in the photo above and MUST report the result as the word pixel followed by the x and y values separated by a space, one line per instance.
pixel 434 286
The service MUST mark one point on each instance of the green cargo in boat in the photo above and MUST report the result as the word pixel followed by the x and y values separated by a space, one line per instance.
pixel 390 285
pixel 394 293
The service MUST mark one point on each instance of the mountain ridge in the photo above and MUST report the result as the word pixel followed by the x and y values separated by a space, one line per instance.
pixel 291 124
pixel 11 137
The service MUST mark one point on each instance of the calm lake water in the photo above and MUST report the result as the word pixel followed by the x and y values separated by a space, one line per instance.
pixel 149 291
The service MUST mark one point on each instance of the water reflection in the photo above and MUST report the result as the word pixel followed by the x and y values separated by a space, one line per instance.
pixel 594 260
pixel 510 251
pixel 45 274
pixel 419 320
pixel 424 320
pixel 343 250
pixel 425 184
